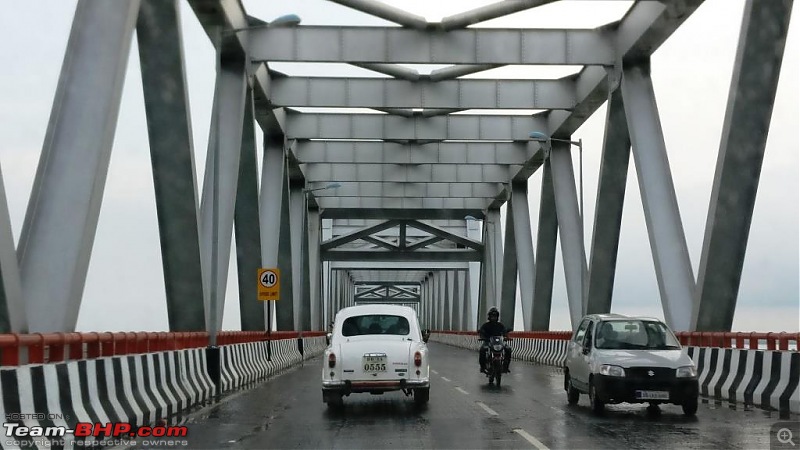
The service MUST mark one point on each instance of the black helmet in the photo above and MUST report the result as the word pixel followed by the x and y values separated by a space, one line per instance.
pixel 493 312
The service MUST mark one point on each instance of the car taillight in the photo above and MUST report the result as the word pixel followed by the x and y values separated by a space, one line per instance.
pixel 417 359
pixel 331 360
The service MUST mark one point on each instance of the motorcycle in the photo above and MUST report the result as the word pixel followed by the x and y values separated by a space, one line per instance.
pixel 494 359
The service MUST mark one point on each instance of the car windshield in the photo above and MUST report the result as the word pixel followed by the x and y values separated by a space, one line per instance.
pixel 635 335
pixel 375 324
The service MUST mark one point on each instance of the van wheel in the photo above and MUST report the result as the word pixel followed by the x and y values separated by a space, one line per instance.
pixel 422 395
pixel 597 405
pixel 573 395
pixel 689 406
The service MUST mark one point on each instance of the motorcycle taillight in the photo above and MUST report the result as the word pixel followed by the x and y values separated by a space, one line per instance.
pixel 331 360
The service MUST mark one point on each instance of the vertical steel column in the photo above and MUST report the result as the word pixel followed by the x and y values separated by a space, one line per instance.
pixel 448 300
pixel 750 101
pixel 299 259
pixel 12 307
pixel 546 240
pixel 220 182
pixel 494 236
pixel 172 158
pixel 466 306
pixel 475 295
pixel 285 312
pixel 664 227
pixel 610 201
pixel 569 225
pixel 246 227
pixel 524 255
pixel 61 220
pixel 328 311
pixel 314 271
pixel 509 286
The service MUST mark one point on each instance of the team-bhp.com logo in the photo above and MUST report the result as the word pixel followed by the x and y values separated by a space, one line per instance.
pixel 88 430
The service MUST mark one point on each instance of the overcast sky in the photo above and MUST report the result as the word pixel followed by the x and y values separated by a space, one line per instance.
pixel 691 74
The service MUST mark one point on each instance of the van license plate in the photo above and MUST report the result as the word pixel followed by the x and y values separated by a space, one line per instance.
pixel 652 395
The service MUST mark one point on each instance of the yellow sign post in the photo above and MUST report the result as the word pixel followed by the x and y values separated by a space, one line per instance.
pixel 269 284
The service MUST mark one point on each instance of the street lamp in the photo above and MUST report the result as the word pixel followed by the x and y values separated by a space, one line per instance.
pixel 541 137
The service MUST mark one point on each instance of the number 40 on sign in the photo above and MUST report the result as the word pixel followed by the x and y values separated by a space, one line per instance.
pixel 269 284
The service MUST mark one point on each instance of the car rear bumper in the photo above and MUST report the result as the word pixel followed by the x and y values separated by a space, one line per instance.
pixel 618 390
pixel 354 386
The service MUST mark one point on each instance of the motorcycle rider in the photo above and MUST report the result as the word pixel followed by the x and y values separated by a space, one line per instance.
pixel 493 327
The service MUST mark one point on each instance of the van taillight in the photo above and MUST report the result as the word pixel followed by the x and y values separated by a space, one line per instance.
pixel 417 359
pixel 331 360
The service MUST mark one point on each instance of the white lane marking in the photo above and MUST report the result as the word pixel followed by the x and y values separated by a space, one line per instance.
pixel 434 372
pixel 536 443
pixel 446 379
pixel 462 391
pixel 487 409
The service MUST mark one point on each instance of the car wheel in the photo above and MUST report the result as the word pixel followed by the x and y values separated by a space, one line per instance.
pixel 497 379
pixel 333 399
pixel 597 405
pixel 422 395
pixel 572 394
pixel 689 406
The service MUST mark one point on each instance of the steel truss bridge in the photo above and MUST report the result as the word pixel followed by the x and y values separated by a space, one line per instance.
pixel 402 204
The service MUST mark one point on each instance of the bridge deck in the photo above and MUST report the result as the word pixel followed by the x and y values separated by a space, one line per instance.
pixel 529 410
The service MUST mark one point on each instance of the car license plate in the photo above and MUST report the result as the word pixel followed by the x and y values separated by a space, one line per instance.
pixel 374 363
pixel 652 395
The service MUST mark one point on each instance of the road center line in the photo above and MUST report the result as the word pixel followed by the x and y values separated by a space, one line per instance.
pixel 487 409
pixel 446 379
pixel 462 391
pixel 536 443
pixel 434 372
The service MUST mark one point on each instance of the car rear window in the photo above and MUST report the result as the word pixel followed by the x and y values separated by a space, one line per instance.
pixel 375 324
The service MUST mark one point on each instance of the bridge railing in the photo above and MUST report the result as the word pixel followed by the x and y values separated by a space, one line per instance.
pixel 740 340
pixel 39 348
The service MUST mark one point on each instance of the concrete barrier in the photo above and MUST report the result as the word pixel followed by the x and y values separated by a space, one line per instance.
pixel 141 389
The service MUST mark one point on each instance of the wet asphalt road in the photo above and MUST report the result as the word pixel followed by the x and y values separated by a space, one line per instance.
pixel 528 411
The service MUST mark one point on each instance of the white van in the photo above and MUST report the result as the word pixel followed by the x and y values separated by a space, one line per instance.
pixel 616 358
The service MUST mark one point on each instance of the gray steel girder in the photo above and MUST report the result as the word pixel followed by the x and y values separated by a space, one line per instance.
pixel 752 95
pixel 664 227
pixel 172 157
pixel 451 94
pixel 220 185
pixel 384 126
pixel 402 45
pixel 387 174
pixel 246 227
pixel 614 163
pixel 12 306
pixel 61 220
pixel 401 207
pixel 546 239
pixel 643 29
pixel 463 153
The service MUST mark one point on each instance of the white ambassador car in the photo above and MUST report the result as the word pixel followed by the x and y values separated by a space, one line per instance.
pixel 376 349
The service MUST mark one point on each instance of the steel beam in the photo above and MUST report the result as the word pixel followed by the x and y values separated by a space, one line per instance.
pixel 573 252
pixel 172 157
pixel 246 226
pixel 608 214
pixel 384 126
pixel 640 33
pixel 329 92
pixel 664 227
pixel 388 174
pixel 752 95
pixel 488 12
pixel 462 153
pixel 546 239
pixel 220 185
pixel 61 220
pixel 406 46
pixel 523 240
pixel 388 12
pixel 399 255
pixel 12 306
pixel 404 208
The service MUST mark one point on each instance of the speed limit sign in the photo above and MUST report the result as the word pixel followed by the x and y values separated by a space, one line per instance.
pixel 269 284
